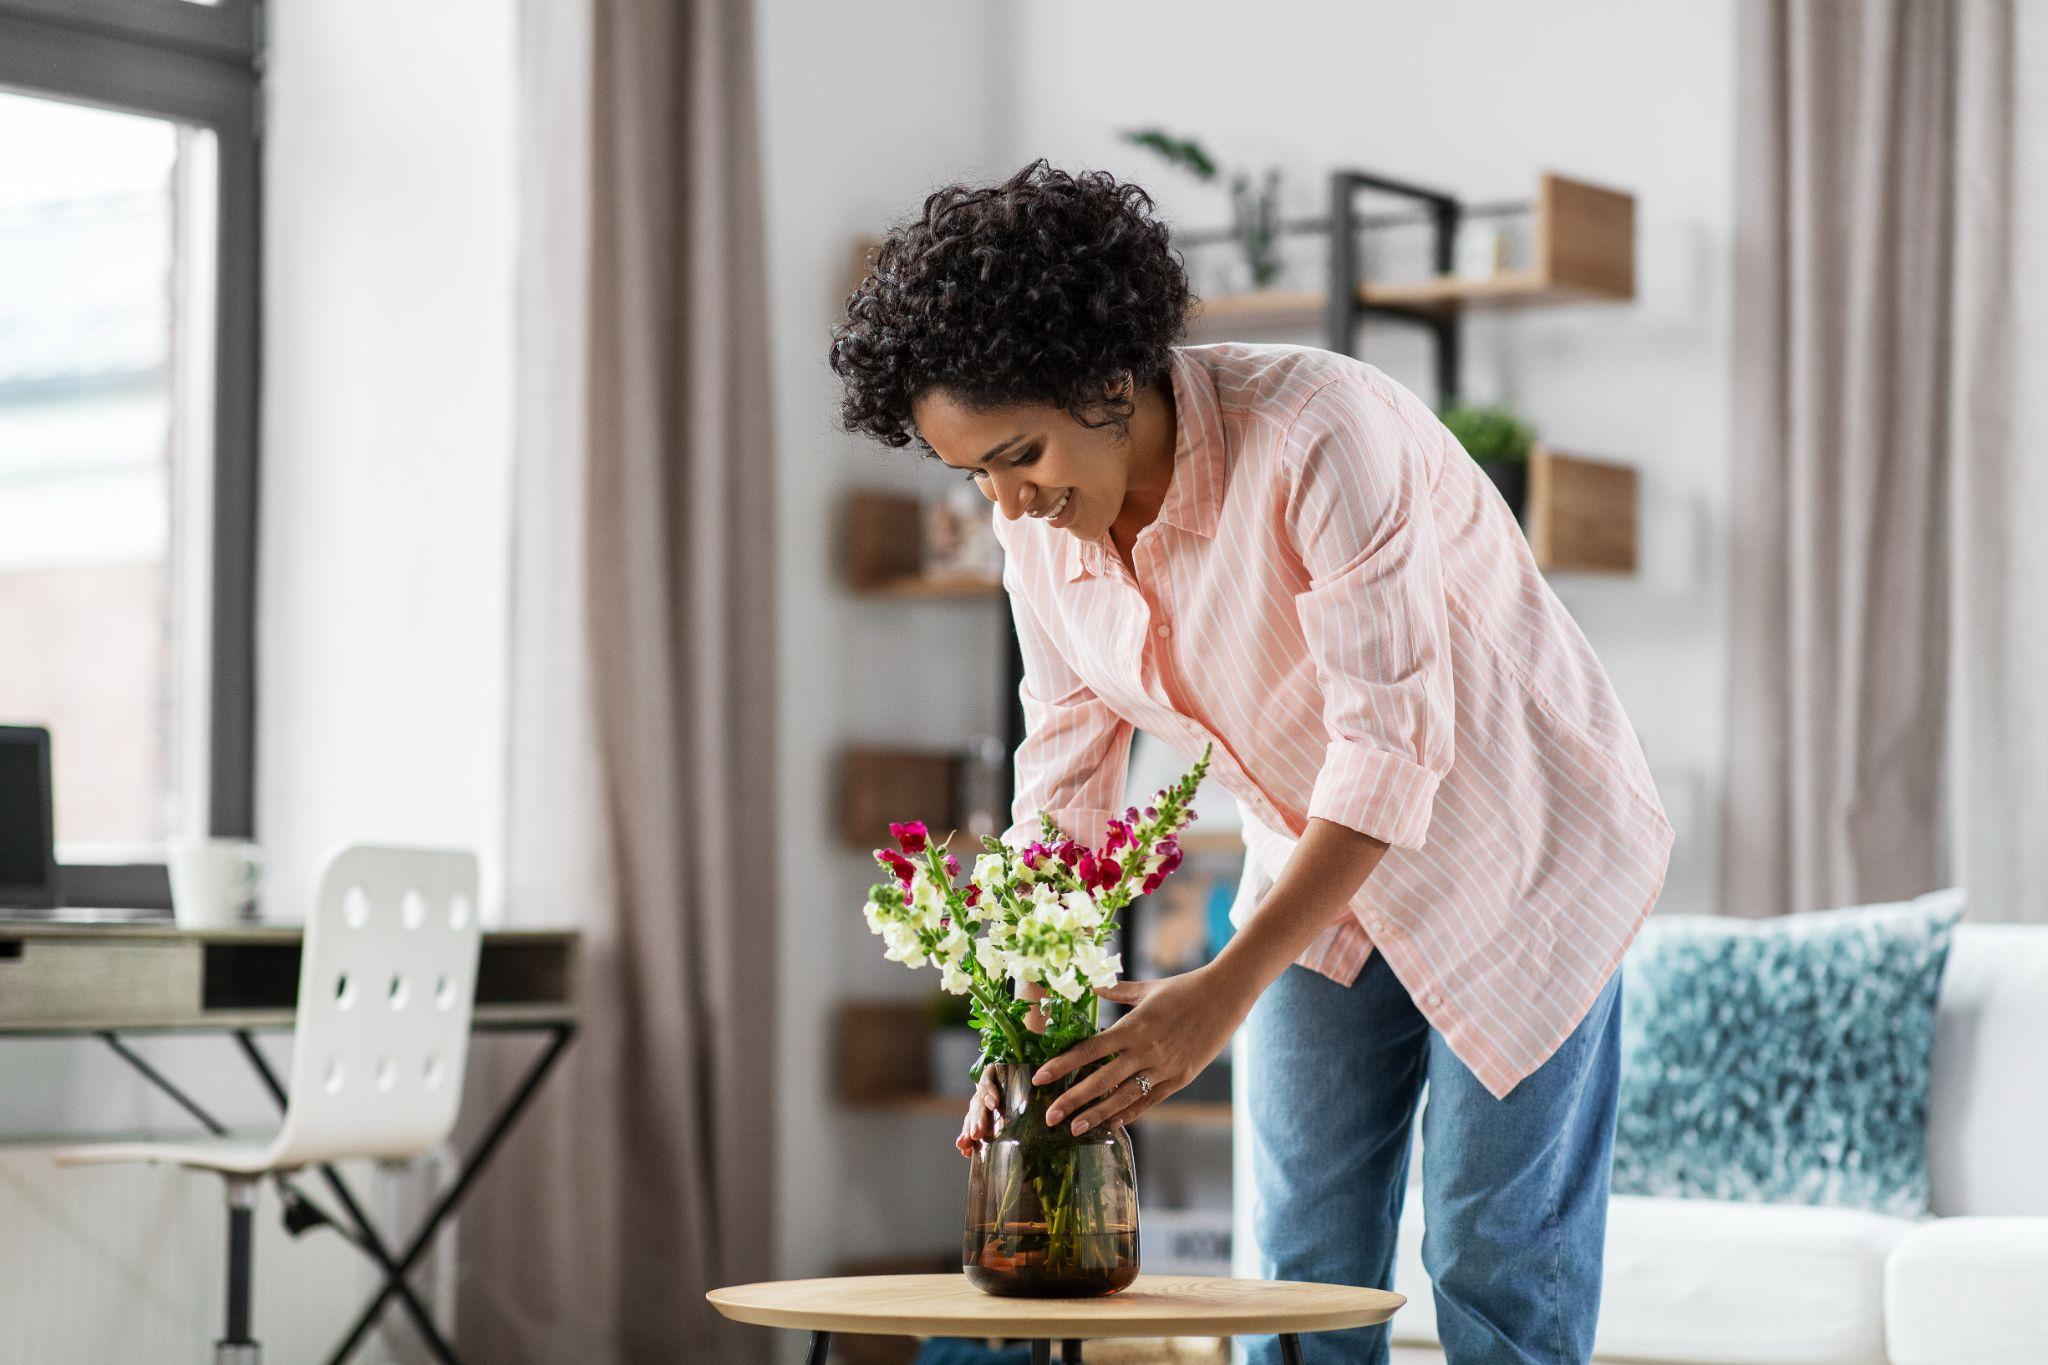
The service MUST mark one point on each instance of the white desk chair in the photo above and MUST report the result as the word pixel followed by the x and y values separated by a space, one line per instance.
pixel 387 978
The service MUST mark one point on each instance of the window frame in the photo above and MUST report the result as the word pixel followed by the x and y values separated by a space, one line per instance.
pixel 203 65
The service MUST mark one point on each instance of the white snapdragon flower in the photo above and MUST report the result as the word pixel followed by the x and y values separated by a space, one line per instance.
pixel 1087 914
pixel 927 902
pixel 988 870
pixel 1066 983
pixel 1097 966
pixel 903 945
pixel 992 958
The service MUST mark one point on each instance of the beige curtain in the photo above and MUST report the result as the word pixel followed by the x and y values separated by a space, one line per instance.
pixel 1873 206
pixel 641 691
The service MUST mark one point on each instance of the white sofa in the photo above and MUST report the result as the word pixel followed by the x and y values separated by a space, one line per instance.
pixel 1714 1283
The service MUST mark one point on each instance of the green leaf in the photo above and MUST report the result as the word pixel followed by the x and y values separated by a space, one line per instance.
pixel 1489 432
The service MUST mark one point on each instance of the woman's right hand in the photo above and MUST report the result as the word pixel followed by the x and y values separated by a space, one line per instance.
pixel 980 1123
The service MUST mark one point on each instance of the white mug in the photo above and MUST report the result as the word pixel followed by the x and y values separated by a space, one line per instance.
pixel 212 880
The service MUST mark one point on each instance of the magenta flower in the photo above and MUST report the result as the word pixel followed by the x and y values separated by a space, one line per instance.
pixel 910 837
pixel 1109 872
pixel 952 866
pixel 896 863
pixel 973 896
pixel 1120 836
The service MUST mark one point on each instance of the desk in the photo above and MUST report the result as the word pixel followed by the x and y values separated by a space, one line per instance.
pixel 105 979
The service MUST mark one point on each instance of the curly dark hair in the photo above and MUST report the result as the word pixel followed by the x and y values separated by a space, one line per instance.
pixel 1043 289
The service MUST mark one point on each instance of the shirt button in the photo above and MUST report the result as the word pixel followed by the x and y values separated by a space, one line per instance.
pixel 1162 629
pixel 1376 923
pixel 1432 999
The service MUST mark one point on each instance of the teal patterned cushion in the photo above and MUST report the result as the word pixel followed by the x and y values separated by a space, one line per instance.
pixel 1783 1060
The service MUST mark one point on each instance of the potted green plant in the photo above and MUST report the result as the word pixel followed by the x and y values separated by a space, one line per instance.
pixel 1499 441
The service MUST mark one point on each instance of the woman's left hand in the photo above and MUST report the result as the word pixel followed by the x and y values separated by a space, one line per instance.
pixel 1175 1027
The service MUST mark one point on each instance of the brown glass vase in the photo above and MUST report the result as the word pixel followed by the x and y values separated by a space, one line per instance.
pixel 1049 1214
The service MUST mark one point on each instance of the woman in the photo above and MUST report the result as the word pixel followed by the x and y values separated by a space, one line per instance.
pixel 1451 830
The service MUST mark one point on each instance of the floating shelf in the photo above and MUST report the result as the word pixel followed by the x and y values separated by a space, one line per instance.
pixel 935 585
pixel 882 552
pixel 1581 513
pixel 1584 252
pixel 878 785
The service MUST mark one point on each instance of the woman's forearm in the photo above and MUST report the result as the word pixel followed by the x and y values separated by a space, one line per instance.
pixel 1328 865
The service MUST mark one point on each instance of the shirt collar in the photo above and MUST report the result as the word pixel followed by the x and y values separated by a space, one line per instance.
pixel 1194 496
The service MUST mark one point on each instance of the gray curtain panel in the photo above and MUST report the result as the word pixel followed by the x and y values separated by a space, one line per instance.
pixel 1873 208
pixel 642 686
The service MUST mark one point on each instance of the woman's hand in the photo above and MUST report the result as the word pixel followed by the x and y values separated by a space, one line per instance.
pixel 987 1102
pixel 1175 1027
pixel 979 1124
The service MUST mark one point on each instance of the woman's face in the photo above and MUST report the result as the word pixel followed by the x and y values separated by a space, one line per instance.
pixel 1031 460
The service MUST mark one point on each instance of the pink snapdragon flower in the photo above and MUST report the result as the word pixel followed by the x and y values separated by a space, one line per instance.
pixel 896 863
pixel 909 836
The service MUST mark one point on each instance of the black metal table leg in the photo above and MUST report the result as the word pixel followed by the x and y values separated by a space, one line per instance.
pixel 366 1235
pixel 821 1342
pixel 1070 1351
pixel 1041 1351
pixel 395 1268
pixel 500 1125
pixel 1290 1348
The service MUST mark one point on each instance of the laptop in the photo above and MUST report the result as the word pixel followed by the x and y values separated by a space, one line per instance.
pixel 28 836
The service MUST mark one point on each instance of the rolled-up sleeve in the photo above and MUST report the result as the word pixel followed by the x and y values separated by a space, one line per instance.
pixel 1373 613
pixel 1075 756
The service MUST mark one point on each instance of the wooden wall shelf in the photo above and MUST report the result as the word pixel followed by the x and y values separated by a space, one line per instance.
pixel 1581 514
pixel 878 785
pixel 1583 252
pixel 935 585
pixel 882 552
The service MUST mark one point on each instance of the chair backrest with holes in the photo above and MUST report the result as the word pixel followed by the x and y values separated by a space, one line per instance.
pixel 386 984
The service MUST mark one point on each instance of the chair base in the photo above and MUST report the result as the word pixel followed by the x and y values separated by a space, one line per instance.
pixel 237 1353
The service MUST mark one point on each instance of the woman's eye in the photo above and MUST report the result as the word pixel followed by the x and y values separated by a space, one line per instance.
pixel 1036 451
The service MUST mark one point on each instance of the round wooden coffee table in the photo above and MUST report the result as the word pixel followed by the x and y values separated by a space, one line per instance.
pixel 1153 1306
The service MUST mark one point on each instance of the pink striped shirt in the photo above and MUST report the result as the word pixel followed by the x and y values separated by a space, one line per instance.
pixel 1335 596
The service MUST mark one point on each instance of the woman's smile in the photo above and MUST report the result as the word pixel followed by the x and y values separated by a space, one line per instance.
pixel 1061 514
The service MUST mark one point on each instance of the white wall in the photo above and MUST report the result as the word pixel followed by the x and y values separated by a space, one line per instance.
pixel 387 429
pixel 386 458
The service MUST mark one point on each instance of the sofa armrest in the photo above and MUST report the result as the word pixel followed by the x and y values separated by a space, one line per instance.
pixel 1968 1289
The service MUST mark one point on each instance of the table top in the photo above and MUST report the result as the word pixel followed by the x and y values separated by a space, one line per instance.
pixel 1153 1306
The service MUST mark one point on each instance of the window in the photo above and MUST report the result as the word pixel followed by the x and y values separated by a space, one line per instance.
pixel 127 417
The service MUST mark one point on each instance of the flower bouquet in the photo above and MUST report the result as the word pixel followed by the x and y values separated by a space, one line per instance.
pixel 1049 1213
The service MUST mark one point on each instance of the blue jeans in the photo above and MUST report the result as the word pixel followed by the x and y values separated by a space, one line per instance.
pixel 1514 1190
